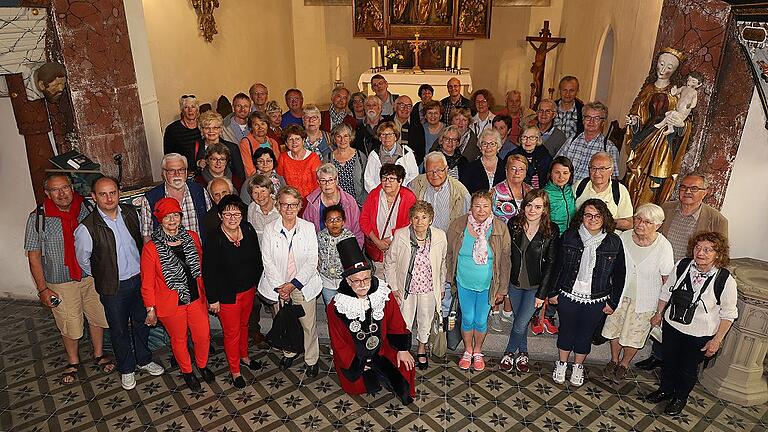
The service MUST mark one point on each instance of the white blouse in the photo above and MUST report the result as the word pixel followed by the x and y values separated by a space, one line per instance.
pixel 646 274
pixel 708 313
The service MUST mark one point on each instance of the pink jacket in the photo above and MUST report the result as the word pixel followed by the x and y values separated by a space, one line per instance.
pixel 351 211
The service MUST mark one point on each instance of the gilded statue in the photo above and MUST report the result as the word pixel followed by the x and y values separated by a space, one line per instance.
pixel 369 17
pixel 657 132
pixel 420 12
pixel 206 21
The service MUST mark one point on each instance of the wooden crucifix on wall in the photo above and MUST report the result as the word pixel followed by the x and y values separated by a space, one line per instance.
pixel 537 68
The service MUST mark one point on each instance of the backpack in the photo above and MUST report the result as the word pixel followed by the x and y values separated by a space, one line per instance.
pixel 40 215
pixel 720 278
pixel 614 189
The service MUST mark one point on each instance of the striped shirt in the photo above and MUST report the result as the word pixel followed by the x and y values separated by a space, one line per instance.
pixel 50 242
pixel 440 203
pixel 188 214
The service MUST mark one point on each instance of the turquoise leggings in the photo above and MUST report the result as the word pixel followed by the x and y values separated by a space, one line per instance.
pixel 474 309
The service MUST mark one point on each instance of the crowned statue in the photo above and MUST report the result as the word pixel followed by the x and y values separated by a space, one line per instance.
pixel 658 132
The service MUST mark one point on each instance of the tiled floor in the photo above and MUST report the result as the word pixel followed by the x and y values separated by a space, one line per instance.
pixel 31 398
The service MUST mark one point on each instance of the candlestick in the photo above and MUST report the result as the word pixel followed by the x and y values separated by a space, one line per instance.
pixel 338 70
pixel 373 57
pixel 447 56
pixel 378 57
pixel 458 60
pixel 453 57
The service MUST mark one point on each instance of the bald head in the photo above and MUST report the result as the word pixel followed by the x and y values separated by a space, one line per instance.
pixel 454 88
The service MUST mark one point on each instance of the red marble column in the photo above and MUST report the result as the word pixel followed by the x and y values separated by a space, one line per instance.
pixel 96 51
pixel 702 31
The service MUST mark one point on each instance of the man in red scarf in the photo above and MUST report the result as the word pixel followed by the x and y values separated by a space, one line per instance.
pixel 50 245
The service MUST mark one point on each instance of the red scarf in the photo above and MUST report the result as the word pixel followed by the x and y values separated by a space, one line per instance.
pixel 68 224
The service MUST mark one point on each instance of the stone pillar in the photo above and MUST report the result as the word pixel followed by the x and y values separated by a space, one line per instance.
pixel 737 372
pixel 96 51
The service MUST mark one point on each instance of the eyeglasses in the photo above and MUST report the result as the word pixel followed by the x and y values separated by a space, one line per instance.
pixel 313 117
pixel 188 97
pixel 593 216
pixel 359 282
pixel 705 249
pixel 180 171
pixel 402 105
pixel 640 221
pixel 524 138
pixel 692 189
pixel 60 189
pixel 436 171
pixel 488 144
pixel 389 179
pixel 596 169
pixel 211 128
pixel 217 159
pixel 450 140
pixel 231 215
pixel 264 161
pixel 517 169
pixel 546 111
pixel 334 220
pixel 593 118
pixel 386 134
pixel 326 181
pixel 289 206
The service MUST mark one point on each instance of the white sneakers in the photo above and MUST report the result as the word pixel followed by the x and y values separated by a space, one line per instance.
pixel 558 375
pixel 128 380
pixel 577 373
pixel 152 368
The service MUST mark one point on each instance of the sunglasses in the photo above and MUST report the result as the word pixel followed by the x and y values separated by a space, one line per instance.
pixel 188 97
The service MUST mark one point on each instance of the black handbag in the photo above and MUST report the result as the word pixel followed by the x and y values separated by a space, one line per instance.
pixel 286 333
pixel 452 324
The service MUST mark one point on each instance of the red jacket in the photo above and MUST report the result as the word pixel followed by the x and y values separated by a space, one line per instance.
pixel 154 291
pixel 368 218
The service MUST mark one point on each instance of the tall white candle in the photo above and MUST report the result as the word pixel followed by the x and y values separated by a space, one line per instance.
pixel 453 57
pixel 447 56
pixel 386 60
pixel 378 57
pixel 458 60
pixel 373 57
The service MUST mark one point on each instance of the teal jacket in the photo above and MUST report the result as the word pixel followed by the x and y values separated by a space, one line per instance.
pixel 562 204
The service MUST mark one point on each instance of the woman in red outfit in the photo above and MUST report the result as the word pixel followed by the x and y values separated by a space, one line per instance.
pixel 368 335
pixel 298 165
pixel 172 289
pixel 232 267
pixel 385 209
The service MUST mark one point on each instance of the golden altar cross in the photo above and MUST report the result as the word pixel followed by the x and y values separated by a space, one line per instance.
pixel 416 45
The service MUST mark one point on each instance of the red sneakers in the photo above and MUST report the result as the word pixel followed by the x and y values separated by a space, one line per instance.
pixel 549 326
pixel 536 327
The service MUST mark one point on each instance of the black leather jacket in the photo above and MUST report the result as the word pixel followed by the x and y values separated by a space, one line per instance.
pixel 607 276
pixel 539 258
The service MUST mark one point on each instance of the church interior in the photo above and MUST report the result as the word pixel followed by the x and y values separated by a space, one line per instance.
pixel 129 61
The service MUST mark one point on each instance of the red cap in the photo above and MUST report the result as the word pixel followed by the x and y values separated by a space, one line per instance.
pixel 166 206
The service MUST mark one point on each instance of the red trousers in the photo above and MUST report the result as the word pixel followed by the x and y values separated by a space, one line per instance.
pixel 192 317
pixel 234 323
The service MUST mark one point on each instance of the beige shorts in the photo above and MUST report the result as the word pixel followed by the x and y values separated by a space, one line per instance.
pixel 78 299
pixel 630 327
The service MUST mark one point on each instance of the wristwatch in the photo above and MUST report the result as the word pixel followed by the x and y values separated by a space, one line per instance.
pixel 150 309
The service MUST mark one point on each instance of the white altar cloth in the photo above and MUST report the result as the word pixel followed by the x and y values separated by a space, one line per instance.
pixel 405 82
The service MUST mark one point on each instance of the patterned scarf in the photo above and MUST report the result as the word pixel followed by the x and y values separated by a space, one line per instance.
pixel 173 268
pixel 453 160
pixel 337 117
pixel 480 248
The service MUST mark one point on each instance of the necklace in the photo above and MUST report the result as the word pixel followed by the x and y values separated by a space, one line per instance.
pixel 371 340
pixel 235 240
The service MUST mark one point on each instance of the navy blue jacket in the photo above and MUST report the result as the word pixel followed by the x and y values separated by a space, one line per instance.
pixel 607 276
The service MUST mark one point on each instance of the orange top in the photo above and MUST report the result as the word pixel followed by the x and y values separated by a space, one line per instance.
pixel 248 147
pixel 300 173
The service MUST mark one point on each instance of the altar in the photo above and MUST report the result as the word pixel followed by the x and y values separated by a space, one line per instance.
pixel 405 82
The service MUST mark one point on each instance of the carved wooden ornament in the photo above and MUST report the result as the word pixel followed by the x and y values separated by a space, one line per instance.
pixel 206 21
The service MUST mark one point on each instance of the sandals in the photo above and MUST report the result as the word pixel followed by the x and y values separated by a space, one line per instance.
pixel 68 377
pixel 423 365
pixel 105 363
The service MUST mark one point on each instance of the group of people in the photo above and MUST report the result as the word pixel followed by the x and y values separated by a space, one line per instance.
pixel 455 207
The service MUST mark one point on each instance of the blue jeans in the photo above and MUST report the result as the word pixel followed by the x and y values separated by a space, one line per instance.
pixel 474 309
pixel 523 304
pixel 130 342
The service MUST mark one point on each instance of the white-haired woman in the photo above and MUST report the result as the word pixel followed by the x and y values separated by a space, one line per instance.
pixel 317 140
pixel 183 135
pixel 649 261
pixel 211 124
pixel 349 162
pixel 329 193
pixel 487 170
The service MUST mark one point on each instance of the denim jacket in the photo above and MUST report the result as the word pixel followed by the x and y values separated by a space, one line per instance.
pixel 607 276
